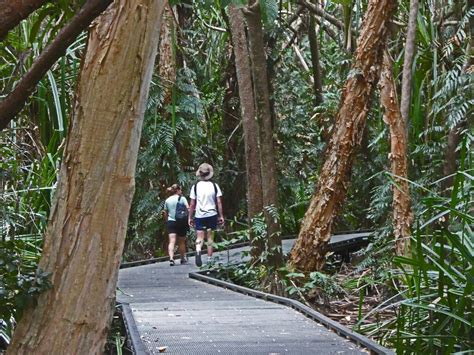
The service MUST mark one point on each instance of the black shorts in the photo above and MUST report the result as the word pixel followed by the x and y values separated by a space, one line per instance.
pixel 177 228
pixel 206 223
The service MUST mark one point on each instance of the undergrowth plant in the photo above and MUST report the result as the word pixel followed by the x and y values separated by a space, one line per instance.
pixel 434 285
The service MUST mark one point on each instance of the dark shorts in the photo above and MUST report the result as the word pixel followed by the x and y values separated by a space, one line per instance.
pixel 206 223
pixel 177 228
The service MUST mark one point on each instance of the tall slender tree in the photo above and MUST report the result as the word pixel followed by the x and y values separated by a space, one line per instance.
pixel 410 48
pixel 309 251
pixel 315 61
pixel 249 119
pixel 86 231
pixel 264 115
pixel 402 214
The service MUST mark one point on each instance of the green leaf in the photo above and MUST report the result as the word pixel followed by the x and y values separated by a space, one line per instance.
pixel 269 10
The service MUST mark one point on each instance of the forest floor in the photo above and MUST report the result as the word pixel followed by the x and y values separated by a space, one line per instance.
pixel 349 306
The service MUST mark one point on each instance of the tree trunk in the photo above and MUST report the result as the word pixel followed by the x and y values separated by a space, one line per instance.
pixel 408 62
pixel 267 149
pixel 13 11
pixel 314 48
pixel 232 173
pixel 249 119
pixel 402 214
pixel 167 57
pixel 308 253
pixel 88 221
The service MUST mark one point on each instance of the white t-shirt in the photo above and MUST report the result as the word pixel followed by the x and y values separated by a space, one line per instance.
pixel 206 199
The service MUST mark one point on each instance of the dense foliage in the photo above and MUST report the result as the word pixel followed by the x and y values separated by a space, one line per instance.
pixel 429 291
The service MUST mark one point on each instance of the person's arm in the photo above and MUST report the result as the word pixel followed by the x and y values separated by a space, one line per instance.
pixel 220 220
pixel 165 212
pixel 192 207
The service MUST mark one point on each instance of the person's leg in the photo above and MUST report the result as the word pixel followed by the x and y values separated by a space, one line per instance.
pixel 210 241
pixel 182 249
pixel 171 244
pixel 200 235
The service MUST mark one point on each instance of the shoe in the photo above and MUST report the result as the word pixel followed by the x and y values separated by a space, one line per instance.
pixel 198 259
pixel 183 261
pixel 171 262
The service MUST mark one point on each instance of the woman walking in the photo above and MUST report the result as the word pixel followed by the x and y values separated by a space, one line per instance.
pixel 176 214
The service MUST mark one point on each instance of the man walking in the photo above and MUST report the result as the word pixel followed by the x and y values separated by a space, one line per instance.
pixel 206 207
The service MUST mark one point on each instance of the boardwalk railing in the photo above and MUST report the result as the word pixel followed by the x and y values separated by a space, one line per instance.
pixel 341 330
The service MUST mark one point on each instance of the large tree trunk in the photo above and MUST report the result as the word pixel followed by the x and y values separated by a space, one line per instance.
pixel 267 148
pixel 309 251
pixel 408 62
pixel 13 11
pixel 249 119
pixel 402 214
pixel 86 232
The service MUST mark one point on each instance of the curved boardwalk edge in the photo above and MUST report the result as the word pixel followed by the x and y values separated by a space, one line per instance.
pixel 341 330
pixel 133 336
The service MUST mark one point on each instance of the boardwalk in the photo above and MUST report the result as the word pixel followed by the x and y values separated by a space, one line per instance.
pixel 191 317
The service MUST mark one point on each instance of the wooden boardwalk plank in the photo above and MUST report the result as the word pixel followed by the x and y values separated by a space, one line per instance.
pixel 191 317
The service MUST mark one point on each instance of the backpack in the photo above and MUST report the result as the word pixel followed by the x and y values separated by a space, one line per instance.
pixel 181 215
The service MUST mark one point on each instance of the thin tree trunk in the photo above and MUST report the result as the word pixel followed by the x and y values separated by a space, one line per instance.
pixel 314 49
pixel 88 221
pixel 402 214
pixel 15 101
pixel 309 251
pixel 249 119
pixel 451 157
pixel 234 158
pixel 167 57
pixel 13 11
pixel 267 148
pixel 410 49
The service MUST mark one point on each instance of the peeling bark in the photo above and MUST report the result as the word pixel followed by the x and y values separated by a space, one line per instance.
pixel 88 220
pixel 249 119
pixel 309 251
pixel 402 214
pixel 264 115
pixel 13 11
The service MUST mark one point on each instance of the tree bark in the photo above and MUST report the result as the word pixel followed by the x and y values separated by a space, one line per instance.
pixel 15 101
pixel 407 74
pixel 402 214
pixel 263 110
pixel 314 49
pixel 88 221
pixel 13 11
pixel 308 253
pixel 249 119
pixel 167 57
